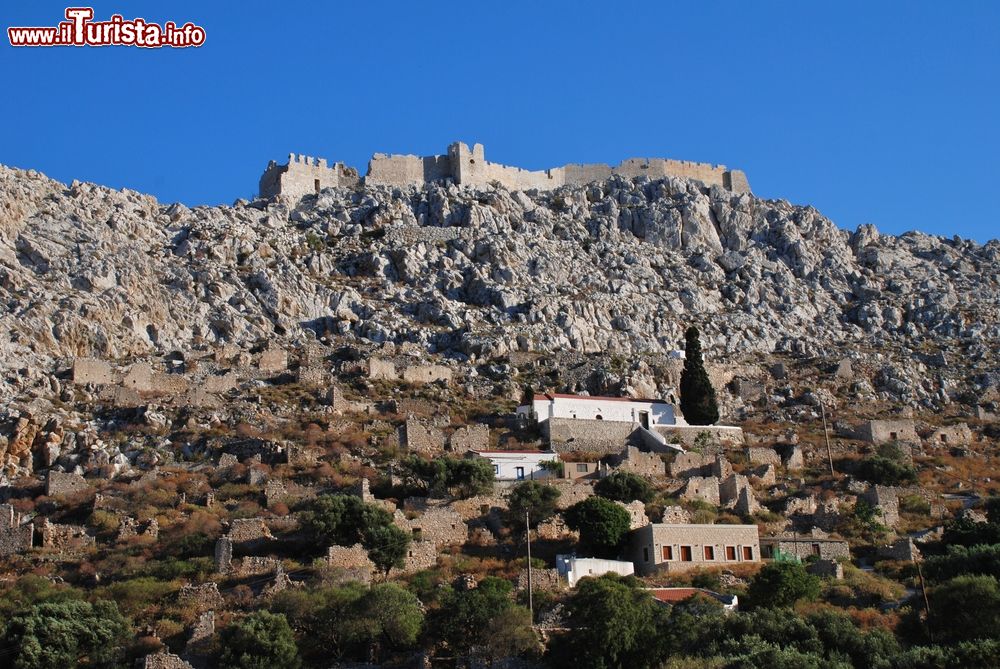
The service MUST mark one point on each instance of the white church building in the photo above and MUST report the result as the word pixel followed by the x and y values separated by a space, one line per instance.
pixel 645 412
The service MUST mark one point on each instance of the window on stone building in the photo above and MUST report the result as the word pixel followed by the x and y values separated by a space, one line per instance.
pixel 815 550
pixel 731 553
pixel 686 554
pixel 668 552
pixel 748 552
pixel 581 467
pixel 316 184
pixel 894 436
pixel 709 552
pixel 944 438
pixel 519 473
pixel 417 534
pixel 645 553
pixel 600 417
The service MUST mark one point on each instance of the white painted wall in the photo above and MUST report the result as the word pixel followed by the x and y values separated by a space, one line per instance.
pixel 573 568
pixel 519 465
pixel 622 410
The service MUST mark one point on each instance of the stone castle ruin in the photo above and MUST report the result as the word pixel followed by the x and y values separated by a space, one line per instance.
pixel 464 166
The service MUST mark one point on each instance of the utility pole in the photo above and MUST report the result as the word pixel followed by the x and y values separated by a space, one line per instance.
pixel 927 603
pixel 826 435
pixel 531 602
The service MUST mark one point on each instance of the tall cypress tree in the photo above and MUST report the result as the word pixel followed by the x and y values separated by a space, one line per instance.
pixel 697 394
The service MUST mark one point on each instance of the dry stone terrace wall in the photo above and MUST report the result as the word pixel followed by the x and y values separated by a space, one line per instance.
pixel 473 437
pixel 60 483
pixel 603 437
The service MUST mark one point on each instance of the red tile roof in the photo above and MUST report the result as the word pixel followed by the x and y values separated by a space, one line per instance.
pixel 672 595
pixel 565 396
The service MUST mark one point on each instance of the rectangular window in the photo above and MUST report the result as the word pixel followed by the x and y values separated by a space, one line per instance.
pixel 815 550
pixel 731 553
pixel 316 184
pixel 645 553
pixel 519 471
pixel 496 469
pixel 748 552
pixel 709 552
pixel 582 467
pixel 668 552
pixel 685 554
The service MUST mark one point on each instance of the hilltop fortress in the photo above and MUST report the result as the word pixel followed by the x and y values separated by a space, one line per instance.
pixel 304 174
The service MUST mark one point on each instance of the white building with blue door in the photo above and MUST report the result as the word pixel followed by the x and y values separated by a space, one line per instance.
pixel 519 465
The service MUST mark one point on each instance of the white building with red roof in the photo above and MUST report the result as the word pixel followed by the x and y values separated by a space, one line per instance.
pixel 645 412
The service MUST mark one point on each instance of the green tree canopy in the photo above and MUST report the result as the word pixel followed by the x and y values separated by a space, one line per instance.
pixel 55 635
pixel 965 608
pixel 261 640
pixel 781 584
pixel 345 520
pixel 387 616
pixel 461 477
pixel 537 499
pixel 614 625
pixel 625 487
pixel 467 620
pixel 602 524
pixel 698 403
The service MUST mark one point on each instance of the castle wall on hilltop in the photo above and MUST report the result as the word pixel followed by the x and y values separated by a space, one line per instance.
pixel 303 175
pixel 468 166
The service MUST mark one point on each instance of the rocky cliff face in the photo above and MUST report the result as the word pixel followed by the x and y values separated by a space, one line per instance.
pixel 620 267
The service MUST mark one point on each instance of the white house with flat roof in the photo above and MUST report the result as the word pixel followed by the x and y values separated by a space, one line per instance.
pixel 519 465
pixel 645 412
pixel 573 568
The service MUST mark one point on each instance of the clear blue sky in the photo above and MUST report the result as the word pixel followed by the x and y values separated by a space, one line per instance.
pixel 873 112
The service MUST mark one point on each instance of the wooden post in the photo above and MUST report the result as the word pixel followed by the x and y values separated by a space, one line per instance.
pixel 927 602
pixel 531 603
pixel 826 435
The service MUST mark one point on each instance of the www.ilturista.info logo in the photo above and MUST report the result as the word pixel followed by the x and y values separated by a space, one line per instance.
pixel 80 30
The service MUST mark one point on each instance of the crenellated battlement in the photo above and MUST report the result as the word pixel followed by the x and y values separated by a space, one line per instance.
pixel 303 174
pixel 468 166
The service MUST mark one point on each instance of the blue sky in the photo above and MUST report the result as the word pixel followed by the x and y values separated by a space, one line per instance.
pixel 881 113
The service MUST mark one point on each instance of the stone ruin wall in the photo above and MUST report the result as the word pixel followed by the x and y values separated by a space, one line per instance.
pixel 468 166
pixel 605 437
pixel 407 170
pixel 472 437
pixel 14 537
pixel 301 175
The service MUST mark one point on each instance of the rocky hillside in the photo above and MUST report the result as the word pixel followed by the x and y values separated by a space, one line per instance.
pixel 620 267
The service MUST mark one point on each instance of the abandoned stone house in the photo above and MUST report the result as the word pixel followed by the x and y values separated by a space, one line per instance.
pixel 15 535
pixel 888 431
pixel 463 165
pixel 674 548
pixel 804 546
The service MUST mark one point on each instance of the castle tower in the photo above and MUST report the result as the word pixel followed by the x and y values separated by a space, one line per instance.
pixel 468 166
